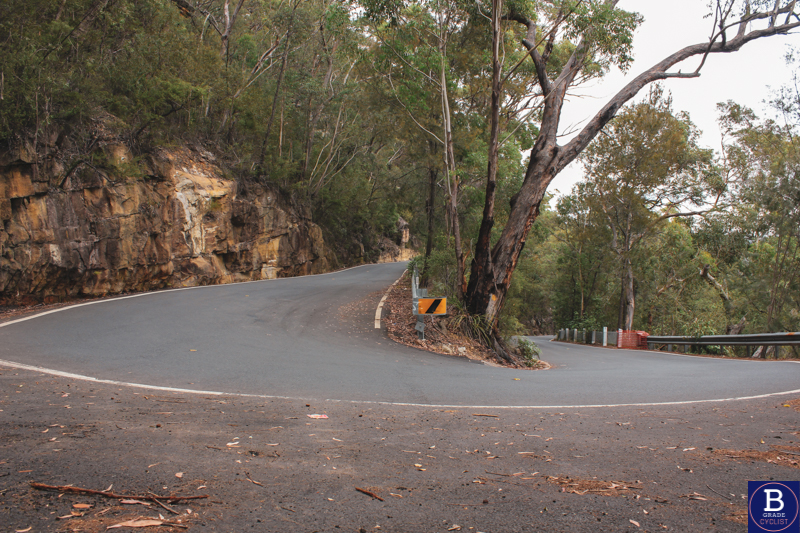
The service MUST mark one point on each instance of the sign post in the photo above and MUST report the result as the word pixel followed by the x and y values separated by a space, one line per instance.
pixel 422 305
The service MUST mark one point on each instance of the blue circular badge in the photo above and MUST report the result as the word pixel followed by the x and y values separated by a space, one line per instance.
pixel 773 507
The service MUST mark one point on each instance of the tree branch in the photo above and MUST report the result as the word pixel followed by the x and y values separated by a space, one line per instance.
pixel 655 73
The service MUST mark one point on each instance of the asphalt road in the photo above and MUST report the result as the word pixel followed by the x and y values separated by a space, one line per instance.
pixel 313 338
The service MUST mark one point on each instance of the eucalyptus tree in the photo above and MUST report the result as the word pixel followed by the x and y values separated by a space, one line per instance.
pixel 584 258
pixel 766 155
pixel 647 168
pixel 423 81
pixel 592 35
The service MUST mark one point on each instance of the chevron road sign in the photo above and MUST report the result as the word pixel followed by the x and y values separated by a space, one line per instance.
pixel 432 306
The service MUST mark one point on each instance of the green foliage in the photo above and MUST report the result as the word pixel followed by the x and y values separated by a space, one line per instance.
pixel 529 352
pixel 475 326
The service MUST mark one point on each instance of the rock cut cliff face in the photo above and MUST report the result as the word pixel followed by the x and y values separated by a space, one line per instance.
pixel 172 219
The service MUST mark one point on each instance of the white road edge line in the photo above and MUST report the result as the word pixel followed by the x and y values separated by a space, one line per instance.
pixel 379 310
pixel 69 375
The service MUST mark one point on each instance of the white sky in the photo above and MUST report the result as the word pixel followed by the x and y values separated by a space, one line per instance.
pixel 744 76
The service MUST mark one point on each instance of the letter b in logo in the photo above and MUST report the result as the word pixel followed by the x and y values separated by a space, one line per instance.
pixel 773 495
pixel 773 507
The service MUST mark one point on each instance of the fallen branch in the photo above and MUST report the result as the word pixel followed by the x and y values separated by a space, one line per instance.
pixel 368 493
pixel 78 490
pixel 171 510
pixel 490 416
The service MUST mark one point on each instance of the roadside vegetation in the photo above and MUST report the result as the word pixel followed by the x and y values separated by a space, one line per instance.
pixel 447 113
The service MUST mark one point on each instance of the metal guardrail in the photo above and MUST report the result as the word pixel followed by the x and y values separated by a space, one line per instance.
pixel 758 339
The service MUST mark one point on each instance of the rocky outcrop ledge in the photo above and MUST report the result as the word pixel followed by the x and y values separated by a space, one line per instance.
pixel 171 219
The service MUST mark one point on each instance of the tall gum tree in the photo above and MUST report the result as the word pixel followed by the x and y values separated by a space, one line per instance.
pixel 600 34
pixel 647 168
pixel 417 43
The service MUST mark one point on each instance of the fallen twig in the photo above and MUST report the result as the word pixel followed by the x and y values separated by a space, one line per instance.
pixel 715 492
pixel 490 416
pixel 78 490
pixel 500 481
pixel 251 480
pixel 368 493
pixel 162 505
pixel 498 474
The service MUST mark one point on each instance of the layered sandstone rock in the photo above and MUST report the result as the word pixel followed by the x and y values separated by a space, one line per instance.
pixel 169 220
pixel 390 251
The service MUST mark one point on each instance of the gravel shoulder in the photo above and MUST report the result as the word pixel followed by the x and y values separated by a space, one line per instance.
pixel 267 466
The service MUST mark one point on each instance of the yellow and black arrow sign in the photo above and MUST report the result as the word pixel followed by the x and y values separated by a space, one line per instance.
pixel 432 306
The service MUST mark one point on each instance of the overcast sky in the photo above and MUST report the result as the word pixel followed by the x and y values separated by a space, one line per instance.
pixel 744 76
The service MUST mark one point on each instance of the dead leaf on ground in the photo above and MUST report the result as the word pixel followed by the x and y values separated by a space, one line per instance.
pixel 134 502
pixel 788 456
pixel 137 523
pixel 635 523
pixel 738 515
pixel 594 486
pixel 795 404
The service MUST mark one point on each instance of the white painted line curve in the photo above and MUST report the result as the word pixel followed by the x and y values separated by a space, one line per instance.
pixel 379 310
pixel 81 377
